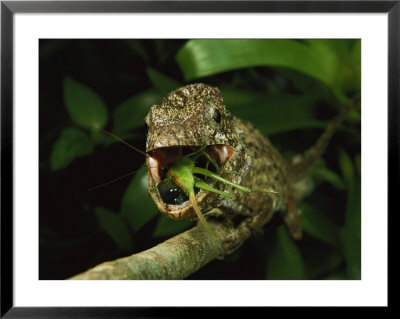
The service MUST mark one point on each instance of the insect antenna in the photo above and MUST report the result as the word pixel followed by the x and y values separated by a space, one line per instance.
pixel 126 143
pixel 115 179
pixel 126 175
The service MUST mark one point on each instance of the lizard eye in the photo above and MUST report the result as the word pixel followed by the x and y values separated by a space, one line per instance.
pixel 217 116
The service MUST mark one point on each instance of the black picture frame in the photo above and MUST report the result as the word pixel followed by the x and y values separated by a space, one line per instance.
pixel 9 8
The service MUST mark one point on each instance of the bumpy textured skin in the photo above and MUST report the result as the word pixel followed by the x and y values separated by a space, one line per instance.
pixel 184 118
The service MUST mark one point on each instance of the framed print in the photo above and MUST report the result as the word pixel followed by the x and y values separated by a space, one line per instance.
pixel 160 154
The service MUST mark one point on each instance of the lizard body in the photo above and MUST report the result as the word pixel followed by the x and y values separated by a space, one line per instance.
pixel 194 116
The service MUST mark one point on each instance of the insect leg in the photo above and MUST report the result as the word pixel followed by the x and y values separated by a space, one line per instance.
pixel 202 171
pixel 204 186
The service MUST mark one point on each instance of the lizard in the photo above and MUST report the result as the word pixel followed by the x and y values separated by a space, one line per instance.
pixel 193 117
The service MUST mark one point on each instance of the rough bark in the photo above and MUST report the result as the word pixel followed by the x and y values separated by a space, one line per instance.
pixel 176 258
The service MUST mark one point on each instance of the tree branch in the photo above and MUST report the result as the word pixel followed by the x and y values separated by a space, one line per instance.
pixel 184 254
pixel 176 258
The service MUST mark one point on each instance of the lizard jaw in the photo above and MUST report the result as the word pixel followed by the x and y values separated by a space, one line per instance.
pixel 177 207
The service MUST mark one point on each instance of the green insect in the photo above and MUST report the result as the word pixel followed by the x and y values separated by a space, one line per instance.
pixel 183 173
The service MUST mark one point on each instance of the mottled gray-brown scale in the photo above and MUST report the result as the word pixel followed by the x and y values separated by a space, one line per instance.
pixel 263 167
pixel 185 118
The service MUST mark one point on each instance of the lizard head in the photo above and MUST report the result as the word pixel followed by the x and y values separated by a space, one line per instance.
pixel 187 119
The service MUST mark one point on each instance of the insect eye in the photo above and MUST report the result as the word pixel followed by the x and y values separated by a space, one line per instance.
pixel 217 116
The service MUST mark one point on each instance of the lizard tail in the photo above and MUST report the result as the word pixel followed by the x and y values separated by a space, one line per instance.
pixel 300 164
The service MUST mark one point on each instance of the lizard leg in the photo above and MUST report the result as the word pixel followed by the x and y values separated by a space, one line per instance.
pixel 292 218
pixel 244 230
pixel 215 212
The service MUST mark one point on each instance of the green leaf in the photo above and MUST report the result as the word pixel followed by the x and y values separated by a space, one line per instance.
pixel 353 209
pixel 284 260
pixel 344 57
pixel 168 227
pixel 325 174
pixel 164 84
pixel 234 97
pixel 137 47
pixel 358 163
pixel 137 205
pixel 351 68
pixel 278 113
pixel 114 225
pixel 353 204
pixel 131 113
pixel 84 106
pixel 319 226
pixel 324 262
pixel 350 234
pixel 346 166
pixel 337 275
pixel 320 259
pixel 352 252
pixel 71 144
pixel 355 61
pixel 309 86
pixel 334 47
pixel 203 57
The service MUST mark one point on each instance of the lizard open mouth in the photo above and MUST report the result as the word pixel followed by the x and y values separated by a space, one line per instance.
pixel 159 160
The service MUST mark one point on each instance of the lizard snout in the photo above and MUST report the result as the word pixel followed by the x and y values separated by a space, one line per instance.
pixel 173 136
